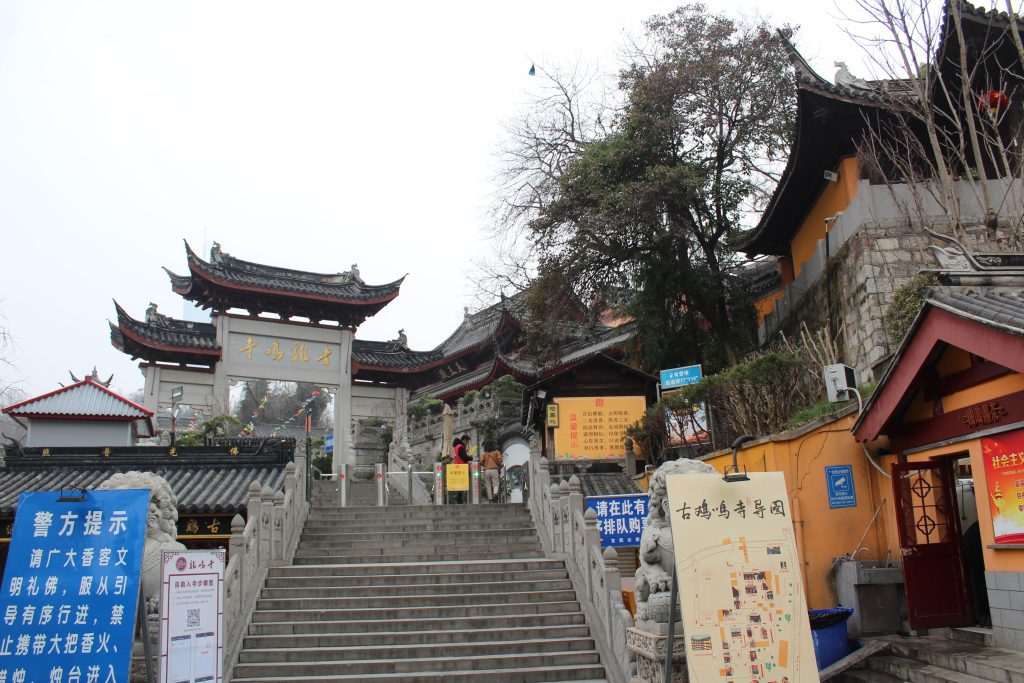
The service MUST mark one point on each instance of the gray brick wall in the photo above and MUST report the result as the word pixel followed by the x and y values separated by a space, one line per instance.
pixel 1006 603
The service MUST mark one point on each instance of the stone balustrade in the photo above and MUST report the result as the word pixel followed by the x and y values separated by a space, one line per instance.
pixel 570 532
pixel 267 538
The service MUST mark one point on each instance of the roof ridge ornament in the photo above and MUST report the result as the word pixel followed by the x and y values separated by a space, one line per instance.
pixel 954 257
pixel 845 78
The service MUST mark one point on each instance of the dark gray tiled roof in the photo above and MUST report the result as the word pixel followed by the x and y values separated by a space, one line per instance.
pixel 167 331
pixel 391 354
pixel 996 308
pixel 211 489
pixel 607 484
pixel 347 286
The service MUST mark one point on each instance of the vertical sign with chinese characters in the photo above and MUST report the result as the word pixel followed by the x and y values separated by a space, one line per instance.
pixel 1004 473
pixel 595 427
pixel 740 587
pixel 71 587
pixel 620 519
pixel 192 616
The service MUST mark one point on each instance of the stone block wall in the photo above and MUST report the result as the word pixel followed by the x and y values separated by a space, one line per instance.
pixel 1006 604
pixel 863 274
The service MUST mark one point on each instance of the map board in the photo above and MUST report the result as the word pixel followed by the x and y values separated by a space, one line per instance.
pixel 594 427
pixel 740 587
pixel 192 616
pixel 621 519
pixel 71 586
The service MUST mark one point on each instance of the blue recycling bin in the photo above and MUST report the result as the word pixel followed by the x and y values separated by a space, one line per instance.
pixel 828 631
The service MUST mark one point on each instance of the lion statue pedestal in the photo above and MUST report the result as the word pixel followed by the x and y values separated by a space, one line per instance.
pixel 648 639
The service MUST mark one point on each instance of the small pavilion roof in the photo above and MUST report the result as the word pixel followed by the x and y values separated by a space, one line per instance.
pixel 987 324
pixel 83 400
pixel 226 282
pixel 161 338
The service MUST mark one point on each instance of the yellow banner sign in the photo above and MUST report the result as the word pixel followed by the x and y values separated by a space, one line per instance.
pixel 595 427
pixel 457 477
pixel 740 587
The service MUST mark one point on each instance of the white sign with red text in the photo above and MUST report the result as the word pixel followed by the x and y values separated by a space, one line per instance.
pixel 192 616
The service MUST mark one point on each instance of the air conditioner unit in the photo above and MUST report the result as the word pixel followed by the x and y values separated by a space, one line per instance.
pixel 839 379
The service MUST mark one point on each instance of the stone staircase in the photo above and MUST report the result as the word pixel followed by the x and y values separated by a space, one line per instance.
pixel 419 593
pixel 956 656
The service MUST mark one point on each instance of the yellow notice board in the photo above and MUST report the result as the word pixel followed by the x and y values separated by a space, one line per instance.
pixel 740 587
pixel 595 426
pixel 457 477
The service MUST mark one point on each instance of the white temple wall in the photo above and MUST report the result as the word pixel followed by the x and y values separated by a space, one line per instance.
pixel 53 433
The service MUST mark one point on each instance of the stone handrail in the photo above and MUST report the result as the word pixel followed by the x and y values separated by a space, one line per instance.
pixel 398 468
pixel 569 532
pixel 267 538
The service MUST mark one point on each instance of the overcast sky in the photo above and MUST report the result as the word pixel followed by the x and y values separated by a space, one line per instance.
pixel 308 135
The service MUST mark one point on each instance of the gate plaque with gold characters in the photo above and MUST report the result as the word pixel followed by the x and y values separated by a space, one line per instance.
pixel 457 477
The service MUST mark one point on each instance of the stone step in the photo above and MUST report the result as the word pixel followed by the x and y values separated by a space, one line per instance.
pixel 365 639
pixel 323 653
pixel 426 556
pixel 987 663
pixel 425 539
pixel 478 566
pixel 425 623
pixel 287 670
pixel 916 671
pixel 407 511
pixel 546 674
pixel 864 676
pixel 415 600
pixel 414 524
pixel 331 533
pixel 432 579
pixel 417 612
pixel 467 542
pixel 318 592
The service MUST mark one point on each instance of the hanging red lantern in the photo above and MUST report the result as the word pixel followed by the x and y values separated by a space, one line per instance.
pixel 993 101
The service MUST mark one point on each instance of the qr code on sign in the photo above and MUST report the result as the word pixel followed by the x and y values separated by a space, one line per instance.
pixel 192 618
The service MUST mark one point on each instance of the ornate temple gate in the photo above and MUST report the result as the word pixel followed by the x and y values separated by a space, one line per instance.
pixel 290 352
pixel 929 531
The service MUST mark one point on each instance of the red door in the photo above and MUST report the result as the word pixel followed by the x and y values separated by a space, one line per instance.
pixel 929 530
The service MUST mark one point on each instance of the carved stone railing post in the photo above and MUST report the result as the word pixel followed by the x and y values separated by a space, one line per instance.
pixel 266 521
pixel 278 528
pixel 555 512
pixel 235 582
pixel 563 517
pixel 253 505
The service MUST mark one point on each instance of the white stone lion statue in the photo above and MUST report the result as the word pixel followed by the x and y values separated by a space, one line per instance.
pixel 161 526
pixel 654 575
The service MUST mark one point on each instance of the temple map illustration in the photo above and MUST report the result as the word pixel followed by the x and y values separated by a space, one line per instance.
pixel 741 591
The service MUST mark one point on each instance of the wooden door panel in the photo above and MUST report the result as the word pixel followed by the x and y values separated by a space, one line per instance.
pixel 929 531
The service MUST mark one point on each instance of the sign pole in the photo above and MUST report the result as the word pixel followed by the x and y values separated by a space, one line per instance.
pixel 669 644
pixel 144 634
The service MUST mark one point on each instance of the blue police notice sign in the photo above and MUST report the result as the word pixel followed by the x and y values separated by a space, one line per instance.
pixel 70 588
pixel 329 443
pixel 620 519
pixel 680 377
pixel 839 480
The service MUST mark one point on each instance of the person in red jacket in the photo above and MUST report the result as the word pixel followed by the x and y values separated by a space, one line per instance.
pixel 461 456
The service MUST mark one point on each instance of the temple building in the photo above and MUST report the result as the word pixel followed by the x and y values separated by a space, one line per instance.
pixel 279 324
pixel 848 224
